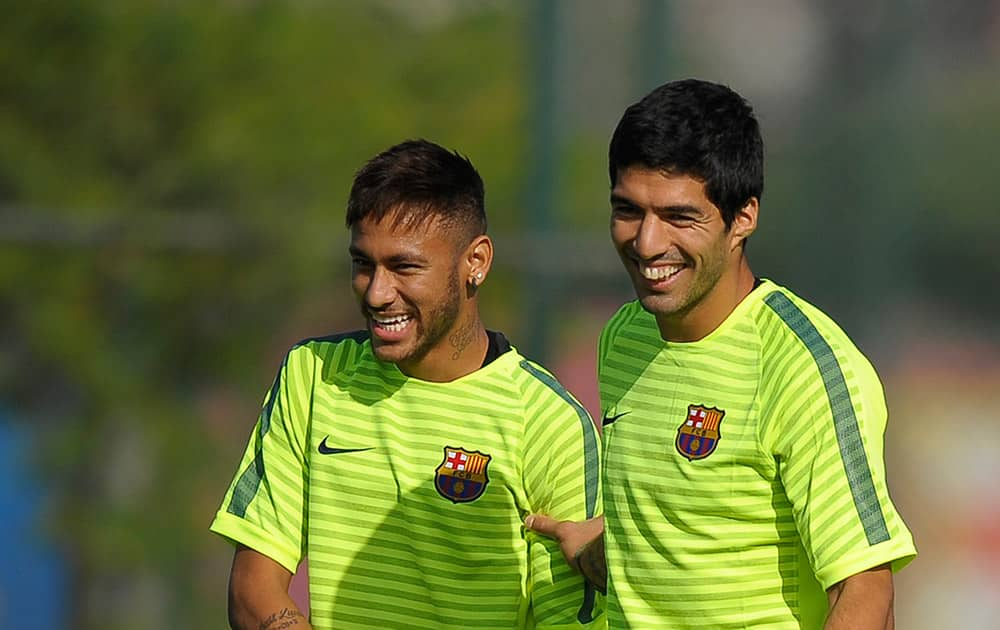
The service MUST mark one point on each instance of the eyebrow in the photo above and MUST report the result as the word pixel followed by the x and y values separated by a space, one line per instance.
pixel 403 257
pixel 682 208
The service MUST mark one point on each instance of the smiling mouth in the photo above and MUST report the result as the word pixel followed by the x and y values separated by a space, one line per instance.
pixel 395 323
pixel 659 272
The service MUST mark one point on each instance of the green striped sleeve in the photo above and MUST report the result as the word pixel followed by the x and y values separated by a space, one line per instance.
pixel 264 507
pixel 562 480
pixel 829 441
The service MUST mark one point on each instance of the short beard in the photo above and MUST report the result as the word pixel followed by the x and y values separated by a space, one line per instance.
pixel 441 320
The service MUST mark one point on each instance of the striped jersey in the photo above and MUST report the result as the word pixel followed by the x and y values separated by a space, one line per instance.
pixel 743 473
pixel 408 496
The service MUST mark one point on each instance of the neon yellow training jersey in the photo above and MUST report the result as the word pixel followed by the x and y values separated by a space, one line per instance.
pixel 408 496
pixel 743 473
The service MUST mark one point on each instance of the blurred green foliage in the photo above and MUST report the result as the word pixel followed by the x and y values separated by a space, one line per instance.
pixel 172 182
pixel 173 177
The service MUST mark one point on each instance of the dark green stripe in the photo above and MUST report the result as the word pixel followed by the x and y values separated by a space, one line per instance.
pixel 586 613
pixel 246 487
pixel 591 472
pixel 590 467
pixel 852 450
pixel 249 482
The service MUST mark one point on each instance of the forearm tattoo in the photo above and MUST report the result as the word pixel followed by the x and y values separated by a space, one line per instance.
pixel 285 618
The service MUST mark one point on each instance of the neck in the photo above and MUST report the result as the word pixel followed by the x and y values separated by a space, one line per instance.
pixel 459 353
pixel 709 313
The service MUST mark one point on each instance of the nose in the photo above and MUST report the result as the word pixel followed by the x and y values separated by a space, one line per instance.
pixel 652 239
pixel 380 291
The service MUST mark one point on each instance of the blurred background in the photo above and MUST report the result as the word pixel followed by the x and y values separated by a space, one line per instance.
pixel 173 177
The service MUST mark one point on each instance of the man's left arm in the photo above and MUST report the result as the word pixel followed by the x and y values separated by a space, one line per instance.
pixel 826 430
pixel 863 601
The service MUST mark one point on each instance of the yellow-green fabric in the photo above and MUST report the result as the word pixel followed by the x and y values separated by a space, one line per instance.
pixel 349 465
pixel 743 473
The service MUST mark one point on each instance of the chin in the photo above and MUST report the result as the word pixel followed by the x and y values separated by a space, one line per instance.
pixel 388 353
pixel 658 305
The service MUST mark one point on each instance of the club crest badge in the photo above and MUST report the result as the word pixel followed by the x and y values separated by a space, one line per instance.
pixel 462 476
pixel 699 434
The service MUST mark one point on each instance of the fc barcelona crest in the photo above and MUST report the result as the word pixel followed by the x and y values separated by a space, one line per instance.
pixel 699 434
pixel 462 477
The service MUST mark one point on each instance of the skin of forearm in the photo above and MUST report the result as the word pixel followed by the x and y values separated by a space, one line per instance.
pixel 591 563
pixel 258 595
pixel 862 602
pixel 261 615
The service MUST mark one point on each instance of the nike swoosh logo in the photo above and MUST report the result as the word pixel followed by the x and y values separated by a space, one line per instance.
pixel 611 419
pixel 329 450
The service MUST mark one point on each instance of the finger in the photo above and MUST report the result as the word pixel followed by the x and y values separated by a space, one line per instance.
pixel 544 525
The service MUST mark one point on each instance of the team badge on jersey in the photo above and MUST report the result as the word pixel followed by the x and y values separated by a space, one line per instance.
pixel 462 477
pixel 699 434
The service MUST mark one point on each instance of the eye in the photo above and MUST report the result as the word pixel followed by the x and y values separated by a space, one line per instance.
pixel 406 267
pixel 625 212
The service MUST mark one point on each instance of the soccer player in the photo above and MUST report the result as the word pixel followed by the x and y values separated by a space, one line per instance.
pixel 743 472
pixel 402 459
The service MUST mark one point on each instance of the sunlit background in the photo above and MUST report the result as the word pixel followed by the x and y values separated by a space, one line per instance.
pixel 173 177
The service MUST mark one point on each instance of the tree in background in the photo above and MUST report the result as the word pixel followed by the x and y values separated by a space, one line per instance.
pixel 172 189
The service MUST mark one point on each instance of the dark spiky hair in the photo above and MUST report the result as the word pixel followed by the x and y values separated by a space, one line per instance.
pixel 417 181
pixel 696 128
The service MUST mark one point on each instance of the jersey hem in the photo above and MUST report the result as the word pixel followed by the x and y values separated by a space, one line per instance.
pixel 240 531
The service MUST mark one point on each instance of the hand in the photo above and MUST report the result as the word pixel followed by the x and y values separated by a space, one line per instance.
pixel 581 542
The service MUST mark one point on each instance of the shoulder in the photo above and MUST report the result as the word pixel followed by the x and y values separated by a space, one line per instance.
pixel 342 349
pixel 630 313
pixel 355 337
pixel 543 393
pixel 631 321
pixel 789 322
pixel 798 338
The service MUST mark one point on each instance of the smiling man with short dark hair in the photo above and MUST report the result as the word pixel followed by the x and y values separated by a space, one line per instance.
pixel 401 459
pixel 743 475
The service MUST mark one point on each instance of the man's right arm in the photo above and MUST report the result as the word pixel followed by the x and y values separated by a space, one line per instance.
pixel 581 542
pixel 258 594
pixel 268 548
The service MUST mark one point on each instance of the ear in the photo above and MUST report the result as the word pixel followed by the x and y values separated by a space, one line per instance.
pixel 478 260
pixel 744 223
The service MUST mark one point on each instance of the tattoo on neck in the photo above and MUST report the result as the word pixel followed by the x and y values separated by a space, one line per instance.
pixel 285 618
pixel 461 338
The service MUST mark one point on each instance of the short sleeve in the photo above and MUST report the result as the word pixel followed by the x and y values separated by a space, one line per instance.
pixel 827 437
pixel 562 480
pixel 264 507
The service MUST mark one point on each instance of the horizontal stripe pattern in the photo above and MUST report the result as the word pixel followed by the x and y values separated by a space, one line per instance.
pixel 747 535
pixel 389 545
pixel 852 452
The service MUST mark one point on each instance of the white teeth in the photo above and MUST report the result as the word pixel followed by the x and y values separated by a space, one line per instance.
pixel 660 272
pixel 390 320
pixel 396 323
